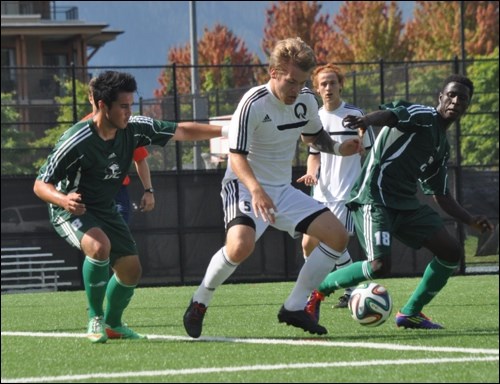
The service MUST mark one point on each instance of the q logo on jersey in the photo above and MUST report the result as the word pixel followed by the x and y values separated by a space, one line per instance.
pixel 112 171
pixel 300 111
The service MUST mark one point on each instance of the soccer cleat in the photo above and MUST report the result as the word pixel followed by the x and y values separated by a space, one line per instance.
pixel 301 319
pixel 343 301
pixel 96 332
pixel 123 332
pixel 193 318
pixel 418 321
pixel 314 303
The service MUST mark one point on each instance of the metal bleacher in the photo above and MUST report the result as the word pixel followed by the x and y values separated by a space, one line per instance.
pixel 27 268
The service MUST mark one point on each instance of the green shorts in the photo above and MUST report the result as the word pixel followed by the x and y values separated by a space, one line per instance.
pixel 376 225
pixel 111 223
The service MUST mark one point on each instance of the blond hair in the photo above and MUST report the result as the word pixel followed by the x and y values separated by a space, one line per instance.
pixel 292 50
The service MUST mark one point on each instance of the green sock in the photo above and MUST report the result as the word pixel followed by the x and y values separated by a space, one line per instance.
pixel 346 277
pixel 119 296
pixel 435 278
pixel 95 278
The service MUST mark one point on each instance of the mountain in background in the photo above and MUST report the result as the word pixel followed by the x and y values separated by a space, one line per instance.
pixel 151 28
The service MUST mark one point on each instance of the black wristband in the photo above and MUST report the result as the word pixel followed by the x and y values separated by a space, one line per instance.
pixel 150 190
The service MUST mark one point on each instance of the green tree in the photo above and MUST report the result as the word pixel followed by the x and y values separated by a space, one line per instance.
pixel 14 142
pixel 368 31
pixel 216 46
pixel 479 128
pixel 65 115
pixel 296 18
pixel 11 136
pixel 434 32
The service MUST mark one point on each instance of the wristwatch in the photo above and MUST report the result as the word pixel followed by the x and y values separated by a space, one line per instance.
pixel 150 190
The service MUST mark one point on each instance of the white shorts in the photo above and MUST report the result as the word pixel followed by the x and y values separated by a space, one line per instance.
pixel 292 206
pixel 342 213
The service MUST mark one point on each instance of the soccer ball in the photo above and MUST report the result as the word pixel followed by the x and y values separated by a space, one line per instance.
pixel 370 304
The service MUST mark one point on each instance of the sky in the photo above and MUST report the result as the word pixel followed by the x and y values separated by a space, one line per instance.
pixel 152 28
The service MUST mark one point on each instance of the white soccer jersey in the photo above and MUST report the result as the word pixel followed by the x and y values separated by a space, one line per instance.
pixel 338 173
pixel 267 130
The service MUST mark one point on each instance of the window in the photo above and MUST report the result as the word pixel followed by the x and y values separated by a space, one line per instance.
pixel 8 71
pixel 50 82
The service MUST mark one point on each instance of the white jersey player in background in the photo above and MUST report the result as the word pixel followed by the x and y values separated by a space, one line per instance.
pixel 257 190
pixel 332 177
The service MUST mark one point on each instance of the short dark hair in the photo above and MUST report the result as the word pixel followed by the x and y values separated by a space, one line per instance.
pixel 462 80
pixel 109 84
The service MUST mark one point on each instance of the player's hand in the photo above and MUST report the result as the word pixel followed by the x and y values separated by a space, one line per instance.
pixel 481 223
pixel 308 180
pixel 351 147
pixel 147 202
pixel 263 206
pixel 355 122
pixel 73 204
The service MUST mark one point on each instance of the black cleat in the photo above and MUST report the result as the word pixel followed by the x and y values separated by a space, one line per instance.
pixel 193 318
pixel 343 301
pixel 301 319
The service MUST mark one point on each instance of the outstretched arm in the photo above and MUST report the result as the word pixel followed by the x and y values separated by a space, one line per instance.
pixel 377 118
pixel 192 131
pixel 323 142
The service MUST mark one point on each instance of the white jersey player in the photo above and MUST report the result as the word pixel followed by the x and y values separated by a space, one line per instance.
pixel 332 177
pixel 257 190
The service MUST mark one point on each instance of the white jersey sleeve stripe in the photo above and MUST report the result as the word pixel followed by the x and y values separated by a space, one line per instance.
pixel 244 117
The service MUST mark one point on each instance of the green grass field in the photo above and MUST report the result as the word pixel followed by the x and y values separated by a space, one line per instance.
pixel 470 246
pixel 43 339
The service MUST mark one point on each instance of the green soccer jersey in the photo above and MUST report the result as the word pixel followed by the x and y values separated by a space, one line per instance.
pixel 83 162
pixel 415 151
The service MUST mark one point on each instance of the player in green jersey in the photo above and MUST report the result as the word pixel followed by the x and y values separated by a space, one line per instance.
pixel 80 179
pixel 411 149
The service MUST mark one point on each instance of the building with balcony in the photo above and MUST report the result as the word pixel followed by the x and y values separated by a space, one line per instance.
pixel 40 43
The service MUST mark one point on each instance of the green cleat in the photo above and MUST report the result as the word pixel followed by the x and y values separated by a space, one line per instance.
pixel 96 332
pixel 123 332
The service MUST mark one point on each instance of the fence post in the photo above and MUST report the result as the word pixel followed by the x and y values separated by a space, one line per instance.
pixel 458 176
pixel 407 82
pixel 354 92
pixel 73 92
pixel 382 85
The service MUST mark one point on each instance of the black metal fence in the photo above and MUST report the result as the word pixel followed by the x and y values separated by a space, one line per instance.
pixel 38 99
pixel 177 239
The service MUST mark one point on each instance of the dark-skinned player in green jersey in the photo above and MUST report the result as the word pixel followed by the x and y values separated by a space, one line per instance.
pixel 80 179
pixel 411 149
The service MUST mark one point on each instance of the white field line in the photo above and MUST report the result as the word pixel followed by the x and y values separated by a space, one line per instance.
pixel 306 342
pixel 195 371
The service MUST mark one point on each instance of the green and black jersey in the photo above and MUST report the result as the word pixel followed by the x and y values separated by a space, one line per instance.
pixel 83 162
pixel 415 151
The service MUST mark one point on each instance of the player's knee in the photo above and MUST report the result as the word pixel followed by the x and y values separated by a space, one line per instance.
pixel 128 269
pixel 239 249
pixel 380 268
pixel 452 252
pixel 95 243
pixel 338 242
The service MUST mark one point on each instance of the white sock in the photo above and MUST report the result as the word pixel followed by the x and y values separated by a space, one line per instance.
pixel 219 269
pixel 319 264
pixel 344 261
